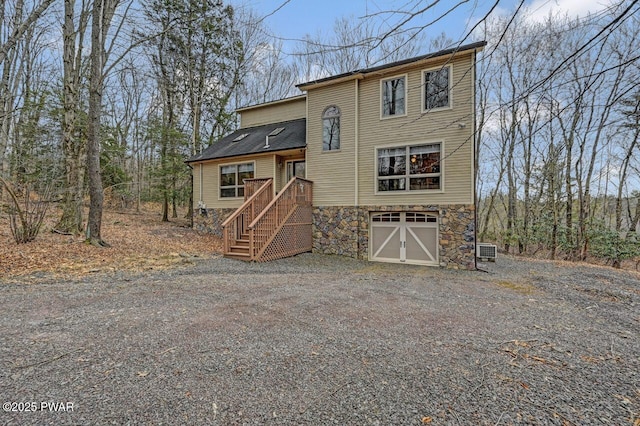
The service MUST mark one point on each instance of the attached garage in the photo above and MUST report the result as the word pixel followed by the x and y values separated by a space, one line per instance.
pixel 404 237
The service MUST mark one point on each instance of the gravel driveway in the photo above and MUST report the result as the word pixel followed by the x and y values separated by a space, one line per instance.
pixel 323 340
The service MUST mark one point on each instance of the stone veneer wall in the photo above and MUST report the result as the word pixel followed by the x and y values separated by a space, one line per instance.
pixel 210 220
pixel 345 231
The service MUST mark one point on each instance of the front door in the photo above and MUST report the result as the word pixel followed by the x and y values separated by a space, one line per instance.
pixel 296 168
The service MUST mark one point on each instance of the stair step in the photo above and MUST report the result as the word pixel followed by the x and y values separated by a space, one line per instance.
pixel 239 249
pixel 238 253
pixel 239 256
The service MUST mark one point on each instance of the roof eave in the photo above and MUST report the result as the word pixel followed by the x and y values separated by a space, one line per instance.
pixel 330 81
pixel 394 66
pixel 268 104
pixel 250 154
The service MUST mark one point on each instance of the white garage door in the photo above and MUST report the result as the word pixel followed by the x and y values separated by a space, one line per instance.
pixel 406 237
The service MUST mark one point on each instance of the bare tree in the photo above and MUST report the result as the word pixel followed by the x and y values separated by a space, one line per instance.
pixel 102 15
pixel 24 94
pixel 20 23
pixel 129 96
pixel 552 140
pixel 353 44
pixel 632 126
pixel 73 134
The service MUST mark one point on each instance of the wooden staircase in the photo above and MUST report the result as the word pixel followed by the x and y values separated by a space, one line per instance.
pixel 266 228
pixel 241 249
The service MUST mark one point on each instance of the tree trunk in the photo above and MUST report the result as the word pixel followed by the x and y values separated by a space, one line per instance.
pixel 6 103
pixel 568 214
pixel 165 206
pixel 7 99
pixel 174 207
pixel 73 139
pixel 623 178
pixel 71 219
pixel 512 196
pixel 551 194
pixel 102 14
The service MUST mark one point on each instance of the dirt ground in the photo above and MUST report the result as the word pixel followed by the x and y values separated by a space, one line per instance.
pixel 139 241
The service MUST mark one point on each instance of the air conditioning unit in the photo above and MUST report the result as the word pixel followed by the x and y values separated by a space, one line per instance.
pixel 486 252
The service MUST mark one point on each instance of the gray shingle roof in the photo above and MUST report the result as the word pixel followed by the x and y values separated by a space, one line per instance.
pixel 293 136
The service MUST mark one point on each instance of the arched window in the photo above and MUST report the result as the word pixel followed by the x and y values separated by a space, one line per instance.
pixel 331 128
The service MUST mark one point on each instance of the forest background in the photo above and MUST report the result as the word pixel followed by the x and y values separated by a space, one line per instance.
pixel 107 98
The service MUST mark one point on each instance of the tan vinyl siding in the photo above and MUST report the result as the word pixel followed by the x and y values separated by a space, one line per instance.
pixel 195 171
pixel 418 127
pixel 273 113
pixel 332 172
pixel 281 171
pixel 264 167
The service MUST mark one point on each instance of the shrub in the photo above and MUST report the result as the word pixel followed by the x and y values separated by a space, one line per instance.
pixel 26 217
pixel 610 245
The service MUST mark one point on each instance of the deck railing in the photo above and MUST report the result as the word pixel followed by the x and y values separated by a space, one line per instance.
pixel 283 228
pixel 258 194
pixel 252 185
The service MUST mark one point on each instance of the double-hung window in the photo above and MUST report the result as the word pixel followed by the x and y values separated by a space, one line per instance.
pixel 409 168
pixel 393 96
pixel 436 88
pixel 231 179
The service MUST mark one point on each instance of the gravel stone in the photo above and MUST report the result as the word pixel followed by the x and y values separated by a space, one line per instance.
pixel 319 339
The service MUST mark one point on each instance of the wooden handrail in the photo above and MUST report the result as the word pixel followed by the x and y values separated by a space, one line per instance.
pixel 275 200
pixel 248 201
pixel 252 185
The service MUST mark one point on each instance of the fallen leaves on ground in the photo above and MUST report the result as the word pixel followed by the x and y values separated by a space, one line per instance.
pixel 139 241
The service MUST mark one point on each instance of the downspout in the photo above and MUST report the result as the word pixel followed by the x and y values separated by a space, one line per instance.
pixel 357 125
pixel 306 168
pixel 277 176
pixel 191 197
pixel 200 177
pixel 356 147
pixel 474 171
pixel 275 181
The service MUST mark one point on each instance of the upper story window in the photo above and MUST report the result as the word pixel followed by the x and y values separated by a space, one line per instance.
pixel 437 88
pixel 409 168
pixel 394 95
pixel 331 128
pixel 232 179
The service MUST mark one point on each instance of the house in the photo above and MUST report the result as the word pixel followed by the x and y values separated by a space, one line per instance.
pixel 373 164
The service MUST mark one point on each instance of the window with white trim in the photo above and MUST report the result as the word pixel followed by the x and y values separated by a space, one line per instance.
pixel 331 128
pixel 393 93
pixel 409 168
pixel 231 179
pixel 437 88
